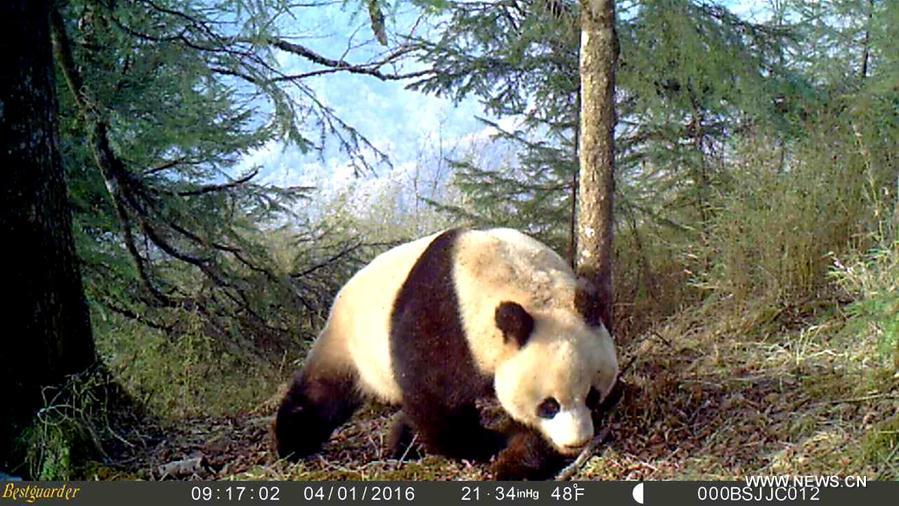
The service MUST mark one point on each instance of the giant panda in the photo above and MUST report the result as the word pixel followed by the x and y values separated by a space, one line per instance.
pixel 436 324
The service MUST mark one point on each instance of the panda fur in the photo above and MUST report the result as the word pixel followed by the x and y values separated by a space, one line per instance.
pixel 434 325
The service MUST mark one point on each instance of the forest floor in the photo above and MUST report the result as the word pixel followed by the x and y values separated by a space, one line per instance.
pixel 702 402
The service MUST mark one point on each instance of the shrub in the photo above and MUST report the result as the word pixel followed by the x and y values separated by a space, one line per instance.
pixel 779 221
pixel 873 279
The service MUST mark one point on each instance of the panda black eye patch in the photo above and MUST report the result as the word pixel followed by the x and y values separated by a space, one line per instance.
pixel 548 408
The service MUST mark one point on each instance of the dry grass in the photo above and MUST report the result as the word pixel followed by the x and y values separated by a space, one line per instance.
pixel 725 401
pixel 711 394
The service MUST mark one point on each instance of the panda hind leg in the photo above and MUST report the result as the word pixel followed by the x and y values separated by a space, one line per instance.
pixel 317 403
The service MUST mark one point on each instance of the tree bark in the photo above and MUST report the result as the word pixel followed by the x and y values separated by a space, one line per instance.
pixel 572 230
pixel 596 184
pixel 47 332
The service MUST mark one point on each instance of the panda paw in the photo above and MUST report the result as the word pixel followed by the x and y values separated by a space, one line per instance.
pixel 527 457
pixel 509 468
pixel 503 469
pixel 402 441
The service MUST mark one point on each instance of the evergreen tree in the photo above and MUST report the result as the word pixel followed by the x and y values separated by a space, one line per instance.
pixel 161 100
pixel 690 75
pixel 47 328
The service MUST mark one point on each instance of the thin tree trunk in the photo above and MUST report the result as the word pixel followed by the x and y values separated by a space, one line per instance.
pixel 866 43
pixel 47 332
pixel 598 59
pixel 701 172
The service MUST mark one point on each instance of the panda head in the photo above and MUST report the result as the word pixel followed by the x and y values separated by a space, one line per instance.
pixel 560 369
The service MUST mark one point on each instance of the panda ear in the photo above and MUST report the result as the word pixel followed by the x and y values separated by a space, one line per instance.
pixel 514 321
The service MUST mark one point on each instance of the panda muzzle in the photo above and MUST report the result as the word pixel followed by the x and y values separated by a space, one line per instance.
pixel 577 446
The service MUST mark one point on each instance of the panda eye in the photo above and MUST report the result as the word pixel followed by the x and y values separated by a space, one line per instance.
pixel 548 408
pixel 592 400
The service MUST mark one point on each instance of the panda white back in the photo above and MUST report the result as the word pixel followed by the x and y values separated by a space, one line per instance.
pixel 359 323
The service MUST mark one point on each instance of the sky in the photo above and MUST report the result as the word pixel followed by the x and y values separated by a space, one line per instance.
pixel 399 122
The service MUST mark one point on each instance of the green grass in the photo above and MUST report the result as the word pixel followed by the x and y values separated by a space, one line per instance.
pixel 880 447
pixel 185 376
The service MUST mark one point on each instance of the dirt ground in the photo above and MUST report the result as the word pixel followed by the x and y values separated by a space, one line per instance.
pixel 700 402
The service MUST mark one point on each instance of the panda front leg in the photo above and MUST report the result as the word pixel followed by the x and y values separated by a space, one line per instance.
pixel 402 441
pixel 454 432
pixel 317 403
pixel 528 456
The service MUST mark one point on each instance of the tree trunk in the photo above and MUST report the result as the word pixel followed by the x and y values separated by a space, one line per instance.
pixel 47 332
pixel 599 55
pixel 866 43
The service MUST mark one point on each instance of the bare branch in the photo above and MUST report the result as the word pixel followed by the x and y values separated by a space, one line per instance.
pixel 372 69
pixel 131 315
pixel 165 166
pixel 337 256
pixel 216 187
